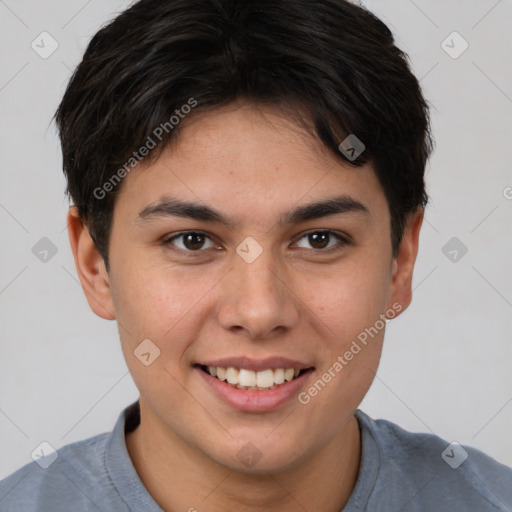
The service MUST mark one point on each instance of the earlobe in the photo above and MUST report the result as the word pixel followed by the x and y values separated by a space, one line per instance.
pixel 90 267
pixel 403 263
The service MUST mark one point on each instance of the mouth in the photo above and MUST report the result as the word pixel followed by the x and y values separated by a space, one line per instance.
pixel 251 380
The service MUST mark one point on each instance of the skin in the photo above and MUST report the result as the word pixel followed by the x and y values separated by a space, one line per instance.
pixel 251 164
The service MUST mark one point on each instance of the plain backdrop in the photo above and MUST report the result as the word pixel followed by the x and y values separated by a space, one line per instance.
pixel 446 366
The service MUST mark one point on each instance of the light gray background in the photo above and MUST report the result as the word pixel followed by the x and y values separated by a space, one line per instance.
pixel 446 366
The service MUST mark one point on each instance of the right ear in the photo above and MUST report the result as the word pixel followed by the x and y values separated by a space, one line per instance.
pixel 90 267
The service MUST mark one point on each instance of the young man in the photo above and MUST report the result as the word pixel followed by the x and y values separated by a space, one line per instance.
pixel 248 190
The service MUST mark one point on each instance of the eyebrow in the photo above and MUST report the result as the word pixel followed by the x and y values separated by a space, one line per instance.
pixel 172 207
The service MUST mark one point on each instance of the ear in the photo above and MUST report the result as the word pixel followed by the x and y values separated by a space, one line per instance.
pixel 90 267
pixel 403 263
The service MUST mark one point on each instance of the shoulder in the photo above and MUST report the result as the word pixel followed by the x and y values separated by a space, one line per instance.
pixel 421 471
pixel 72 478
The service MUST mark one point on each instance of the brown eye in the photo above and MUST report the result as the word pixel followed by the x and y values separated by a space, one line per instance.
pixel 319 240
pixel 322 240
pixel 191 241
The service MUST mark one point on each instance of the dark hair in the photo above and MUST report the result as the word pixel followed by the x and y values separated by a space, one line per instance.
pixel 330 60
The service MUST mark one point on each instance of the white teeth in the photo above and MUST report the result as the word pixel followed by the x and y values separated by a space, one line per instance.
pixel 232 375
pixel 279 376
pixel 249 379
pixel 221 373
pixel 265 379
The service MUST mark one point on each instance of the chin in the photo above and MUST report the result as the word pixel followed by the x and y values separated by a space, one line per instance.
pixel 255 459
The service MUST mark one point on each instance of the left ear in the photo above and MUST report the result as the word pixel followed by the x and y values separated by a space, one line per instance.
pixel 403 263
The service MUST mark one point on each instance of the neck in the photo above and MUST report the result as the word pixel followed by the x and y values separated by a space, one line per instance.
pixel 181 478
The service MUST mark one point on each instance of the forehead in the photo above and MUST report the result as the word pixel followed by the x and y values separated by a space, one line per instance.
pixel 246 160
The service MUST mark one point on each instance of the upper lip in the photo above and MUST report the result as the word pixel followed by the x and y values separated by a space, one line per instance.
pixel 257 365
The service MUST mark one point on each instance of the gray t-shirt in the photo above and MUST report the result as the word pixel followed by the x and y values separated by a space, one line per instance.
pixel 400 472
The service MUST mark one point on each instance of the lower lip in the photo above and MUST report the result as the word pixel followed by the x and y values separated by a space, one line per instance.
pixel 251 400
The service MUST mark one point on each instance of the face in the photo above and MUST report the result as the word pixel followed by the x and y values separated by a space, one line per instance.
pixel 249 275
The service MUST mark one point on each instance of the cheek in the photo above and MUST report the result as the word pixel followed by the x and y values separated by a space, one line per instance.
pixel 351 305
pixel 351 300
pixel 351 344
pixel 160 304
pixel 152 299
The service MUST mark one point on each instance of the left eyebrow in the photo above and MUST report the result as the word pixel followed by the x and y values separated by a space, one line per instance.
pixel 172 207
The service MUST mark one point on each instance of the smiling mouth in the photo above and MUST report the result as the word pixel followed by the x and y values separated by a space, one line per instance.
pixel 244 379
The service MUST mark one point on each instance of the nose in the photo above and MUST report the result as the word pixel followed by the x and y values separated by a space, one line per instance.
pixel 258 297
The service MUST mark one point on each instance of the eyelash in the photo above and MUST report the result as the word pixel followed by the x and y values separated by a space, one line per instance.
pixel 342 241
